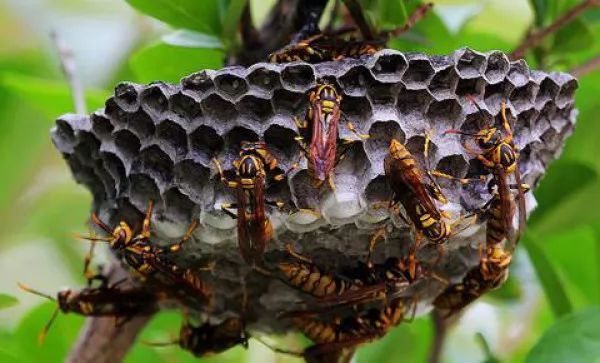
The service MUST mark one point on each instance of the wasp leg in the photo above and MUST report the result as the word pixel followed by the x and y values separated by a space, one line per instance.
pixel 146 223
pixel 225 208
pixel 275 203
pixel 290 250
pixel 350 126
pixel 300 123
pixel 224 180
pixel 188 234
pixel 505 122
pixel 380 233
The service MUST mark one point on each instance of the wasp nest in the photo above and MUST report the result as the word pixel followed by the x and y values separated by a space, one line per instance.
pixel 156 142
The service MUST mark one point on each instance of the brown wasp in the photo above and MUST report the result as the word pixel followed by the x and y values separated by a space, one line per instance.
pixel 332 46
pixel 500 155
pixel 320 126
pixel 112 301
pixel 209 339
pixel 254 170
pixel 148 259
pixel 491 272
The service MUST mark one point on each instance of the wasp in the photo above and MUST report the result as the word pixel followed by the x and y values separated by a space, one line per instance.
pixel 490 274
pixel 500 156
pixel 332 46
pixel 320 126
pixel 146 258
pixel 254 169
pixel 123 304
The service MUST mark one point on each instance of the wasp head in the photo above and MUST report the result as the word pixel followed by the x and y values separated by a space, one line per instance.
pixel 326 96
pixel 248 169
pixel 65 299
pixel 121 236
pixel 488 138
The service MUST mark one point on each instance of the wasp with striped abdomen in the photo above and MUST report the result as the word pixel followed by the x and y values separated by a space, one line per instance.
pixel 499 154
pixel 320 128
pixel 254 170
pixel 111 301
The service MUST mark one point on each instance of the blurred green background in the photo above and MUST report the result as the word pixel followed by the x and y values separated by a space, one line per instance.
pixel 548 312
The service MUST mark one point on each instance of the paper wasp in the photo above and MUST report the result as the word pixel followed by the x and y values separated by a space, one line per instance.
pixel 490 274
pixel 254 171
pixel 332 46
pixel 320 126
pixel 500 155
pixel 148 259
pixel 209 339
pixel 110 301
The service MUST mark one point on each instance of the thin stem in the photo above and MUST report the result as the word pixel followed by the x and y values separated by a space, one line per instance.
pixel 69 69
pixel 591 65
pixel 440 328
pixel 536 37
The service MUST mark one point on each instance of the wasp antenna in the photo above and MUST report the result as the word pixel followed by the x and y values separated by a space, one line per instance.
pixel 160 344
pixel 458 132
pixel 97 221
pixel 93 239
pixel 276 349
pixel 44 332
pixel 26 288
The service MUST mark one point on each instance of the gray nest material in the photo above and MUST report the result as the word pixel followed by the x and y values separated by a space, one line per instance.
pixel 156 142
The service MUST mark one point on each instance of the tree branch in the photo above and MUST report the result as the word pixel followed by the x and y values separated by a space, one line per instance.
pixel 587 67
pixel 101 340
pixel 536 37
pixel 69 69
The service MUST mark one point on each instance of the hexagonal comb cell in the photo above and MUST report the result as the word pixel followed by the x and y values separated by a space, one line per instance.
pixel 389 66
pixel 155 142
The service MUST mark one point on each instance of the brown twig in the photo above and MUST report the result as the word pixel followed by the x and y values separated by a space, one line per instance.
pixel 440 328
pixel 587 67
pixel 101 340
pixel 534 38
pixel 69 69
pixel 414 18
pixel 358 15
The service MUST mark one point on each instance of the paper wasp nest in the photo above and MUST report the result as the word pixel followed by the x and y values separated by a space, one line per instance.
pixel 156 142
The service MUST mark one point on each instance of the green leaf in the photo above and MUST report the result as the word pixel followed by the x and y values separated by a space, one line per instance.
pixel 549 279
pixel 574 338
pixel 51 97
pixel 489 356
pixel 192 39
pixel 231 19
pixel 168 63
pixel 7 301
pixel 564 178
pixel 202 16
pixel 576 36
pixel 510 291
pixel 540 11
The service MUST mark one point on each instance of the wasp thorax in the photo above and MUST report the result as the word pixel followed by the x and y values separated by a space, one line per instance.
pixel 326 96
pixel 122 235
pixel 397 150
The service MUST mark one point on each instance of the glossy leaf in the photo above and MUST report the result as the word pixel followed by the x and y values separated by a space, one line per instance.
pixel 489 356
pixel 576 36
pixel 231 20
pixel 575 339
pixel 169 64
pixel 549 279
pixel 192 39
pixel 202 16
pixel 7 301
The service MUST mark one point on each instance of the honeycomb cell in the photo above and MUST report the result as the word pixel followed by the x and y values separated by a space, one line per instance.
pixel 142 189
pixel 470 87
pixel 115 167
pixel 141 124
pixel 258 108
pixel 185 107
pixel 518 74
pixel 418 74
pixel 87 147
pixel 413 101
pixel 443 84
pixel 298 77
pixel 470 64
pixel 567 91
pixel 289 102
pixel 205 142
pixel 355 81
pixel 154 98
pixel 126 95
pixel 356 108
pixel 281 141
pixel 454 165
pixel 523 97
pixel 127 143
pixel 389 66
pixel 101 125
pixel 235 137
pixel 446 112
pixel 548 91
pixel 178 205
pixel 264 79
pixel 215 107
pixel 382 93
pixel 497 67
pixel 114 112
pixel 153 161
pixel 201 82
pixel 230 86
pixel 495 93
pixel 191 177
pixel 378 190
pixel 64 135
pixel 173 135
